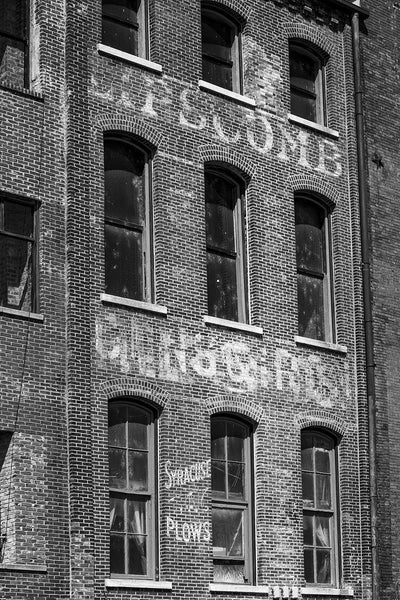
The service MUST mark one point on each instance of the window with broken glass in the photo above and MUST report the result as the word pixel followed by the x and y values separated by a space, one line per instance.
pixel 225 247
pixel 314 270
pixel 320 508
pixel 128 271
pixel 14 47
pixel 132 476
pixel 231 501
pixel 124 26
pixel 18 253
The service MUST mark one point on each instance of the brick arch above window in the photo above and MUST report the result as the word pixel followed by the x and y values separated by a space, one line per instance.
pixel 313 185
pixel 322 419
pixel 214 153
pixel 239 10
pixel 316 38
pixel 131 386
pixel 235 405
pixel 141 130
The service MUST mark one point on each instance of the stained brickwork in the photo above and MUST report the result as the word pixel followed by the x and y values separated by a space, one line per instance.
pixel 59 374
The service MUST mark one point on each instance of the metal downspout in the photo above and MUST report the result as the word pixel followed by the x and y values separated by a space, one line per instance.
pixel 367 299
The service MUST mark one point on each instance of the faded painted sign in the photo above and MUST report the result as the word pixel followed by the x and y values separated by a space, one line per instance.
pixel 181 357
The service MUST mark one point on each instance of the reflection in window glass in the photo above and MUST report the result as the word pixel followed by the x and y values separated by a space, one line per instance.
pixel 14 57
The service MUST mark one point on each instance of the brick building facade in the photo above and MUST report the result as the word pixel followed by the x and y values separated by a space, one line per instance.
pixel 181 302
pixel 381 66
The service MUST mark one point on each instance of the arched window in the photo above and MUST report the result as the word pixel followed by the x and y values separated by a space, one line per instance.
pixel 124 26
pixel 220 49
pixel 307 84
pixel 132 477
pixel 320 508
pixel 314 270
pixel 231 460
pixel 127 210
pixel 225 246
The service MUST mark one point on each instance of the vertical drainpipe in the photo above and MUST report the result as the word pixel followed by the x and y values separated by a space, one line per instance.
pixel 367 299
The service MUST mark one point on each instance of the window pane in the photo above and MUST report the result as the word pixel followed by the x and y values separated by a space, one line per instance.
pixel 122 10
pixel 310 295
pixel 303 106
pixel 217 74
pixel 18 218
pixel 124 182
pixel 218 478
pixel 138 427
pixel 218 429
pixel 117 514
pixel 222 287
pixel 217 37
pixel 236 436
pixel 116 425
pixel 308 489
pixel 137 516
pixel 308 532
pixel 309 565
pixel 322 533
pixel 229 573
pixel 12 62
pixel 323 499
pixel 227 532
pixel 304 70
pixel 310 244
pixel 117 554
pixel 235 480
pixel 138 471
pixel 123 262
pixel 15 273
pixel 120 36
pixel 117 468
pixel 137 564
pixel 322 460
pixel 323 566
pixel 13 16
pixel 221 197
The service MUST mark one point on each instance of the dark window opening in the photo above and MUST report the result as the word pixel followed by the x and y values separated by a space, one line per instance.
pixel 14 48
pixel 307 84
pixel 18 261
pixel 220 50
pixel 225 248
pixel 315 311
pixel 127 221
pixel 124 26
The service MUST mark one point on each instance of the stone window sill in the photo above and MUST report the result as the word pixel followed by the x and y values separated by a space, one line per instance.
pixel 233 325
pixel 228 588
pixel 315 126
pixel 23 567
pixel 138 584
pixel 205 85
pixel 303 341
pixel 319 591
pixel 128 302
pixel 21 314
pixel 131 58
